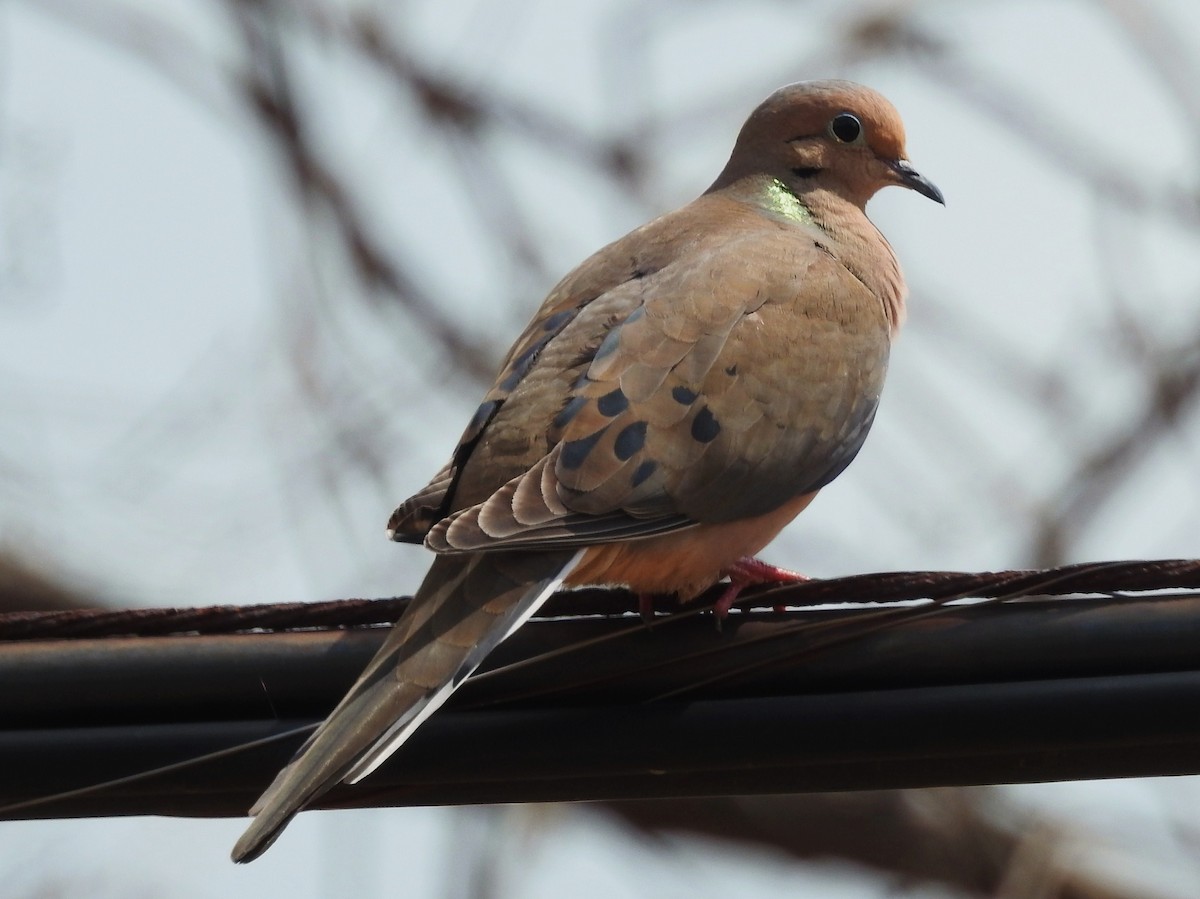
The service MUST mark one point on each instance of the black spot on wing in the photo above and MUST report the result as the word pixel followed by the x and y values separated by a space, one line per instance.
pixel 470 439
pixel 480 419
pixel 630 440
pixel 613 403
pixel 511 380
pixel 569 411
pixel 705 426
pixel 575 452
pixel 642 472
pixel 606 345
pixel 520 366
pixel 683 395
pixel 559 320
pixel 609 344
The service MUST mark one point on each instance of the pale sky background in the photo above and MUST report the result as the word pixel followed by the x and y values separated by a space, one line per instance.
pixel 167 316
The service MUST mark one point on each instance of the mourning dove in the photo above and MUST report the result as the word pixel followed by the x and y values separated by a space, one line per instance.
pixel 678 398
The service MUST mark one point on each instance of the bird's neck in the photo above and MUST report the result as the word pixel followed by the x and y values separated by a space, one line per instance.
pixel 778 200
pixel 863 250
pixel 843 230
pixel 837 224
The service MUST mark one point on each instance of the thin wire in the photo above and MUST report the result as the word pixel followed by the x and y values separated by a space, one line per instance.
pixel 139 776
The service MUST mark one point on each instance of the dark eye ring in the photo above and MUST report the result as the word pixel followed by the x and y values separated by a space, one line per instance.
pixel 846 127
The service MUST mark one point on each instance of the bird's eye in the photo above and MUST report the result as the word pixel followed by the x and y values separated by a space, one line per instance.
pixel 846 127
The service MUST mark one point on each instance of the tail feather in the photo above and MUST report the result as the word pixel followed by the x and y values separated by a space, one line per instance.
pixel 464 608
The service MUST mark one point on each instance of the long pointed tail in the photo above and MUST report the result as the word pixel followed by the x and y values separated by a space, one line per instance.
pixel 463 609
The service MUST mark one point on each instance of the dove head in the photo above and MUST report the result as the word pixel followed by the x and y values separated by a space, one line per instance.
pixel 835 136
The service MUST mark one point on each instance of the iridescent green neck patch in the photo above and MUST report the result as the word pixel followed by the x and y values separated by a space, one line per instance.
pixel 780 200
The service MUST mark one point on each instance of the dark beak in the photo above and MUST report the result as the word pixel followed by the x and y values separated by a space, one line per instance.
pixel 910 177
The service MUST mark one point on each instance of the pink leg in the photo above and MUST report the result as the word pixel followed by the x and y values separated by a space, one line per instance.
pixel 646 606
pixel 749 572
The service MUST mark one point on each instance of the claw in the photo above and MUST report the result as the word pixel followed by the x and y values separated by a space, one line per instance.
pixel 750 572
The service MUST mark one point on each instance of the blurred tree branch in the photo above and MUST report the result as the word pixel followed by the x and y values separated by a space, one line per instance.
pixel 967 839
pixel 27 588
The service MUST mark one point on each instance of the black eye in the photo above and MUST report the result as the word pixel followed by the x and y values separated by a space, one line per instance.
pixel 846 127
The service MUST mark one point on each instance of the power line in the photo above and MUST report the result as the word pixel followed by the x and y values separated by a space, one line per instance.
pixel 598 705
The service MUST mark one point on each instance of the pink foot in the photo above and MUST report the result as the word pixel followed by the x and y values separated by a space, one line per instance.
pixel 750 572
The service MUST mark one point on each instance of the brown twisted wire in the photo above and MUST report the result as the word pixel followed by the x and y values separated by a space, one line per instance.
pixel 1087 578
